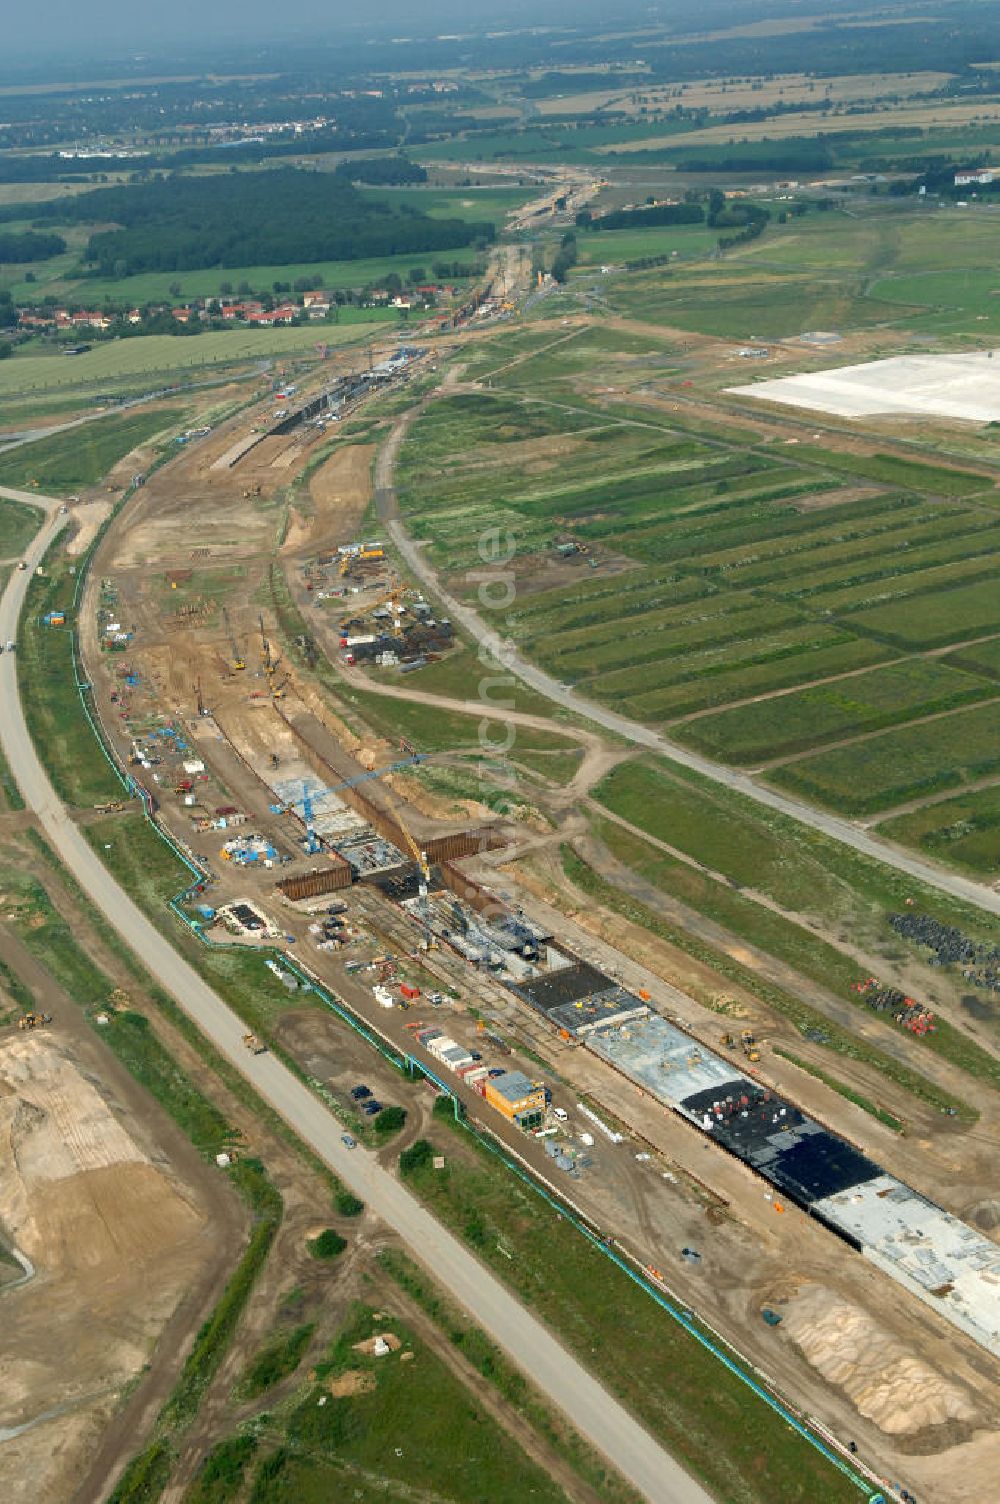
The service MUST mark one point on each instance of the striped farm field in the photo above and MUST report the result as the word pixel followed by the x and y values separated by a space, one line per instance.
pixel 794 723
pixel 763 604
pixel 937 617
pixel 964 831
pixel 895 766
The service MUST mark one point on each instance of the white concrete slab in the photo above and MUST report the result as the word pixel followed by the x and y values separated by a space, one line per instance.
pixel 939 386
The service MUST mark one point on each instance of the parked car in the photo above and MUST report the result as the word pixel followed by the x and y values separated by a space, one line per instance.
pixel 360 1092
pixel 371 1107
pixel 348 1141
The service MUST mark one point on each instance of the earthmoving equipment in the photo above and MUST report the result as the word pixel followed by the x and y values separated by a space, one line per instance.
pixel 278 690
pixel 239 662
pixel 749 1044
pixel 33 1020
pixel 727 1041
pixel 253 1044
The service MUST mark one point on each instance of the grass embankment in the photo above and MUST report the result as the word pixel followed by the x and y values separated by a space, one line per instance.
pixel 13 991
pixel 81 456
pixel 10 794
pixel 52 707
pixel 702 1413
pixel 19 522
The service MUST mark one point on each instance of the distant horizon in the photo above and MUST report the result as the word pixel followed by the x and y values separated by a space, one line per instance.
pixel 117 35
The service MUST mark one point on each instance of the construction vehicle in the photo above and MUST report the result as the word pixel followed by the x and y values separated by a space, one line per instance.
pixel 238 660
pixel 420 857
pixel 253 1044
pixel 749 1044
pixel 278 690
pixel 33 1020
pixel 727 1041
pixel 250 491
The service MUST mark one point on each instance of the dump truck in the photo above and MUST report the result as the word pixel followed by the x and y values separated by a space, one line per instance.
pixel 253 1044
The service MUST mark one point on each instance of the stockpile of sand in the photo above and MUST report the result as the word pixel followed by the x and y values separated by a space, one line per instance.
pixel 115 1244
pixel 883 1380
pixel 76 1190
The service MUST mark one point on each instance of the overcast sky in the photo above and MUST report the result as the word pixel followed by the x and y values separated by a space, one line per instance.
pixel 112 26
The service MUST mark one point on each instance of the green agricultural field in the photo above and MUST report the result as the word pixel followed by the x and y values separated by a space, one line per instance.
pixel 936 618
pixel 744 307
pixel 981 658
pixel 487 203
pixel 155 357
pixel 894 766
pixel 714 516
pixel 82 456
pixel 863 702
pixel 889 470
pixel 613 247
pixel 964 832
pixel 953 299
pixel 19 522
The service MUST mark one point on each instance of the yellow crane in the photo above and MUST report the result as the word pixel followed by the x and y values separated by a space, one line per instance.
pixel 419 856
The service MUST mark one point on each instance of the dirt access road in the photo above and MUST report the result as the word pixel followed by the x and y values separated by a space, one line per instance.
pixel 589 1407
pixel 506 654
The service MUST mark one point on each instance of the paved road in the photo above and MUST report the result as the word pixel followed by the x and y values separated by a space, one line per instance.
pixel 504 651
pixel 594 1413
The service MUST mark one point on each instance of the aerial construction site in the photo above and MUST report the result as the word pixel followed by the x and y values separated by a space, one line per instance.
pixel 284 699
pixel 421 895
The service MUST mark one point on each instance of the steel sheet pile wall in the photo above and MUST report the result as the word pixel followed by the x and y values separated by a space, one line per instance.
pixel 950 1266
pixel 314 884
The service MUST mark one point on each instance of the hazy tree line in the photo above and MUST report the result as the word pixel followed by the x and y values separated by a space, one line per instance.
pixel 31 246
